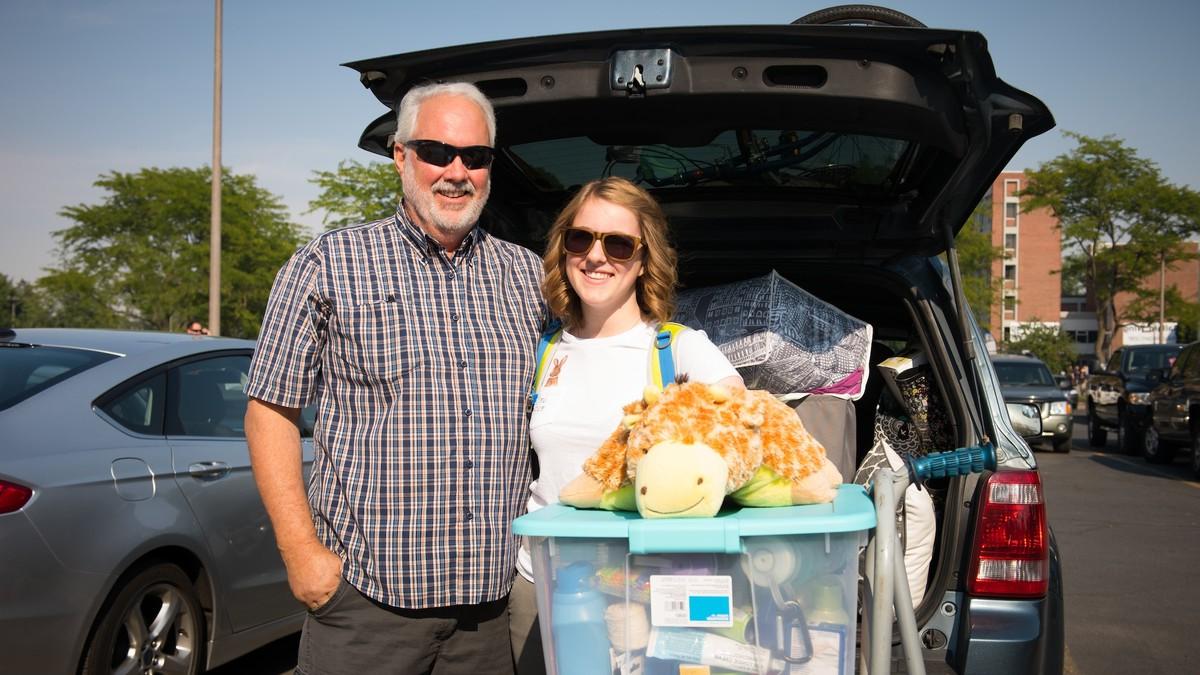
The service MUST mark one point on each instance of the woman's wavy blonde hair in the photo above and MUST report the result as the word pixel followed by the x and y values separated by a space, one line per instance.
pixel 655 287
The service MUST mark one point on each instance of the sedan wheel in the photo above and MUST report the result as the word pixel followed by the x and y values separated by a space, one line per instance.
pixel 1154 450
pixel 154 624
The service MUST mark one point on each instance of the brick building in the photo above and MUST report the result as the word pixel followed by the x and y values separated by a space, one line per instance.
pixel 1031 287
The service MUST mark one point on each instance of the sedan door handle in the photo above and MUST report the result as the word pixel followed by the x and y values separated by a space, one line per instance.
pixel 208 470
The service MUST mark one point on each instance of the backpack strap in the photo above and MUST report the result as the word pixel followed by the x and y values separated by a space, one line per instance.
pixel 545 349
pixel 662 356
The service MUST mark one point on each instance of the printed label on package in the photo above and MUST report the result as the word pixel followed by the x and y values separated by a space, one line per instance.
pixel 691 601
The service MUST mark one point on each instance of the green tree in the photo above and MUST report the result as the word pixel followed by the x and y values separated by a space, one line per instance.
pixel 1047 343
pixel 356 193
pixel 1119 219
pixel 139 259
pixel 1185 313
pixel 18 304
pixel 975 257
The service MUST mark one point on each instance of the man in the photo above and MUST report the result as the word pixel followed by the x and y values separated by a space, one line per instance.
pixel 415 336
pixel 196 328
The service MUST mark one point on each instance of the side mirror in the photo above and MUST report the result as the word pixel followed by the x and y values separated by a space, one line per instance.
pixel 1026 420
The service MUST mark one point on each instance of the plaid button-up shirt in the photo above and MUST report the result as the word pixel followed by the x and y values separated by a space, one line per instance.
pixel 420 365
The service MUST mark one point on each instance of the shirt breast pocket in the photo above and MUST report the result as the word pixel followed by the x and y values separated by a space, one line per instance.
pixel 375 341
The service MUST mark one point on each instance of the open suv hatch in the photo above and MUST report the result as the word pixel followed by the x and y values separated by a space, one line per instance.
pixel 845 157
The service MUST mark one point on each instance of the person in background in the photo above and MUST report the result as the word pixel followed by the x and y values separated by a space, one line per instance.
pixel 196 328
pixel 610 278
pixel 414 336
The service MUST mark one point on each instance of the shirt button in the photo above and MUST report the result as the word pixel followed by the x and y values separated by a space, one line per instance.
pixel 469 464
pixel 450 276
pixel 466 412
pixel 462 363
pixel 470 516
pixel 454 316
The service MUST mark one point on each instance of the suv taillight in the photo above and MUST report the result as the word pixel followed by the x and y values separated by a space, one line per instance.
pixel 13 496
pixel 1010 554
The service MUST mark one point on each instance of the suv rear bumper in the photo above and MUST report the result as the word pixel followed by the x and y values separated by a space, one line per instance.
pixel 1013 636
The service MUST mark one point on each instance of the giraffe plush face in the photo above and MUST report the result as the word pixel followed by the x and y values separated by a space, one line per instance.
pixel 682 451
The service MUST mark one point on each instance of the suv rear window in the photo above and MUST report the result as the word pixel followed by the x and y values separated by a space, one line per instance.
pixel 788 158
pixel 28 369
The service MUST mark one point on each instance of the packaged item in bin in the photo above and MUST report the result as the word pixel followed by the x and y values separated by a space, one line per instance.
pixel 702 647
pixel 780 337
pixel 614 581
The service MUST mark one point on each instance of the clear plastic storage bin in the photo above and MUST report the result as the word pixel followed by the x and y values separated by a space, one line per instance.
pixel 767 591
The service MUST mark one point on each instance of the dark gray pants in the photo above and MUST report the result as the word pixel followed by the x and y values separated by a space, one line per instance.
pixel 354 635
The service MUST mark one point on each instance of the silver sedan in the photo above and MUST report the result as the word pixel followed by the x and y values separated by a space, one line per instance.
pixel 134 539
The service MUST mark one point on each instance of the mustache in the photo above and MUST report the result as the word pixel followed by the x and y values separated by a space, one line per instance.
pixel 451 187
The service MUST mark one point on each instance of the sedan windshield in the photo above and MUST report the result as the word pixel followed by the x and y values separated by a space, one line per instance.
pixel 28 369
pixel 1024 375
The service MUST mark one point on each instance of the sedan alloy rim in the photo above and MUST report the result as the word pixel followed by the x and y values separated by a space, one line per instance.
pixel 158 636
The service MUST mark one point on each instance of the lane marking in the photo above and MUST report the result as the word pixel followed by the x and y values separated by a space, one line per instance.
pixel 1068 663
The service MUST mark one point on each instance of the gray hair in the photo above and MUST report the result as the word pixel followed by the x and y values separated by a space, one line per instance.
pixel 406 113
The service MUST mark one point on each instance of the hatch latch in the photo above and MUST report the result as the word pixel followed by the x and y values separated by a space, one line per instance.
pixel 636 70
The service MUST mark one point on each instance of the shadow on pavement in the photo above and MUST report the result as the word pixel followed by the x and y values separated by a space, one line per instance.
pixel 277 658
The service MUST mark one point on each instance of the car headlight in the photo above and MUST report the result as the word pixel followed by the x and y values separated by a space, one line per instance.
pixel 1141 398
pixel 1060 408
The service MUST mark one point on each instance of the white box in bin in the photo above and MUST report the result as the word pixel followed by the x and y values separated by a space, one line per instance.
pixel 768 591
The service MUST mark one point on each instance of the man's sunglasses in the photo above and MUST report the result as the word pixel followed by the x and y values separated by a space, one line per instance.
pixel 616 246
pixel 441 154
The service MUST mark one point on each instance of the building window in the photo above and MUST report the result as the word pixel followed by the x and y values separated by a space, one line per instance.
pixel 1007 334
pixel 1010 272
pixel 1010 303
pixel 1010 210
pixel 1010 241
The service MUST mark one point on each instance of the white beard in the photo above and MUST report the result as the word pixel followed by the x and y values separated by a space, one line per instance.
pixel 425 205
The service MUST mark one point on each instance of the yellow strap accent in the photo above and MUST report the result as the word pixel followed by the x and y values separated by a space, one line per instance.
pixel 655 369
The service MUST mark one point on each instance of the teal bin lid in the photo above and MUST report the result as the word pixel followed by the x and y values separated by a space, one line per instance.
pixel 850 511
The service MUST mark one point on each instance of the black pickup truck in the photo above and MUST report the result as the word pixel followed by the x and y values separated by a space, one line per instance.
pixel 1118 396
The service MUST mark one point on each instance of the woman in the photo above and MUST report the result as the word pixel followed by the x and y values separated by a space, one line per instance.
pixel 610 277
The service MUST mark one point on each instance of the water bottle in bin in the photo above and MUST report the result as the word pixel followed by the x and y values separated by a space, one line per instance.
pixel 580 636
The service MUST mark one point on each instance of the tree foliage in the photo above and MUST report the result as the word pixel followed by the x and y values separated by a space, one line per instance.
pixel 1119 218
pixel 1144 309
pixel 975 257
pixel 356 193
pixel 1047 343
pixel 18 303
pixel 139 259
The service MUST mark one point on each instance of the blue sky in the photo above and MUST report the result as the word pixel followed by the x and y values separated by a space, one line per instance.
pixel 91 86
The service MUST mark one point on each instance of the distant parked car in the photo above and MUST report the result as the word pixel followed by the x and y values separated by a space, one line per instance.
pixel 1025 379
pixel 1118 395
pixel 132 536
pixel 1174 418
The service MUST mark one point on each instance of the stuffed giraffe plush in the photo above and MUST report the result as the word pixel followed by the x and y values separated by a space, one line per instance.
pixel 681 451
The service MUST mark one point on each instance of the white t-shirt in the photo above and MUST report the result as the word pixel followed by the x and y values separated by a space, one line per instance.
pixel 585 384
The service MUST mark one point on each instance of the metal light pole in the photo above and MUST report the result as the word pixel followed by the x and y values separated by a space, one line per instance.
pixel 1162 294
pixel 214 253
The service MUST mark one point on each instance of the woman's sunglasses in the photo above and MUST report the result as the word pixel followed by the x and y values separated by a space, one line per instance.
pixel 441 154
pixel 616 246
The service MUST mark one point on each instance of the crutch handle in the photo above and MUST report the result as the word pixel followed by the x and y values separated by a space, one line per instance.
pixel 959 462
